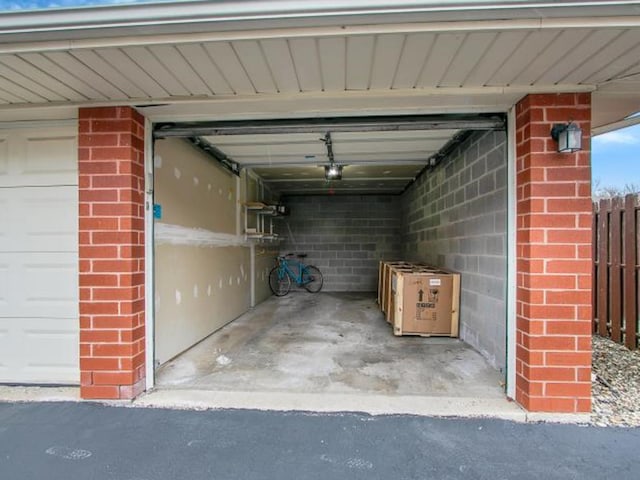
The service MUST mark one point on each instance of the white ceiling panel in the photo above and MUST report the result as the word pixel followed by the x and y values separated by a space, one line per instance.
pixel 397 136
pixel 253 60
pixel 26 83
pixel 37 75
pixel 385 61
pixel 167 78
pixel 333 59
pixel 62 76
pixel 619 67
pixel 225 57
pixel 133 71
pixel 414 53
pixel 577 56
pixel 6 97
pixel 173 60
pixel 623 43
pixel 73 82
pixel 278 57
pixel 384 147
pixel 274 149
pixel 206 69
pixel 444 50
pixel 533 45
pixel 305 57
pixel 494 57
pixel 80 70
pixel 468 55
pixel 359 61
pixel 107 71
pixel 263 139
pixel 26 96
pixel 551 55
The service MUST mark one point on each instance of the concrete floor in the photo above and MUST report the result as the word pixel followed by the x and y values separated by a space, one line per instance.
pixel 329 343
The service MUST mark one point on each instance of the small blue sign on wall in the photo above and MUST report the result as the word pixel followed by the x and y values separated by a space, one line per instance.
pixel 157 211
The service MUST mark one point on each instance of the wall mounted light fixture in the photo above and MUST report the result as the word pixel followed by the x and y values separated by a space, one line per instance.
pixel 568 136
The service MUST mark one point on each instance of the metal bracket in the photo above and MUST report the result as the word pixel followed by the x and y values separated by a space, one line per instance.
pixel 217 154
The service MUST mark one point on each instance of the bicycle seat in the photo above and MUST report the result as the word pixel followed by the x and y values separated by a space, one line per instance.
pixel 302 255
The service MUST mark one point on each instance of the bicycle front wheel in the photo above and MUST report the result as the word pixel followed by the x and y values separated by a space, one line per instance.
pixel 280 286
pixel 312 279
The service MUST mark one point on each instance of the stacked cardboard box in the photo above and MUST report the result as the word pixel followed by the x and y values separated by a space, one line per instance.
pixel 419 299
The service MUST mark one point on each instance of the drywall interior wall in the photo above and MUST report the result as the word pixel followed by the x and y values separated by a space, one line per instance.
pixel 345 236
pixel 202 289
pixel 454 216
pixel 202 264
pixel 192 190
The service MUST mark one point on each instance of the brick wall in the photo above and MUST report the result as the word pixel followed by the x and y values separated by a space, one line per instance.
pixel 111 250
pixel 553 258
pixel 345 236
pixel 454 216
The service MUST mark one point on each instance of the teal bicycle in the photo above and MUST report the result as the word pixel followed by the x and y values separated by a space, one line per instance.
pixel 282 275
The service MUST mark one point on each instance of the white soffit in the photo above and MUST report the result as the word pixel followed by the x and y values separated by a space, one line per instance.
pixel 463 62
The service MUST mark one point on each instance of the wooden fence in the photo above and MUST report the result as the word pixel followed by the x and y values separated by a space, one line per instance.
pixel 615 269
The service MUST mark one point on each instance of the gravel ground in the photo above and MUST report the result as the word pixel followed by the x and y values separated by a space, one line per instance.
pixel 616 384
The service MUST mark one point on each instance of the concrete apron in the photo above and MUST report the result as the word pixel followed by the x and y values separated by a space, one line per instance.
pixel 330 403
pixel 322 353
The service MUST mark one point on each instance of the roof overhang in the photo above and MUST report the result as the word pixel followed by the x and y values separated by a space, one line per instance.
pixel 283 59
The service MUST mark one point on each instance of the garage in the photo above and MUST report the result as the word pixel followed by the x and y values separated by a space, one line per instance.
pixel 39 255
pixel 234 105
pixel 431 189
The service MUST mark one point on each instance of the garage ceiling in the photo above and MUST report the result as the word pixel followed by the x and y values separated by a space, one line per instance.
pixel 373 161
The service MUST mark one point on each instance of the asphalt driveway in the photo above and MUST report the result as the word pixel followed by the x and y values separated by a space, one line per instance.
pixel 91 441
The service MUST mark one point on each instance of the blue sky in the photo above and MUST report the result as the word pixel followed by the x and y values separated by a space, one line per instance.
pixel 615 158
pixel 39 4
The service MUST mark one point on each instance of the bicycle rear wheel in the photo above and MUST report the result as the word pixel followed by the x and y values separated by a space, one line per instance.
pixel 312 279
pixel 279 286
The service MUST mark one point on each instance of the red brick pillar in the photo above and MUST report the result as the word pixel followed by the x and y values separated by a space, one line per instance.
pixel 111 237
pixel 553 332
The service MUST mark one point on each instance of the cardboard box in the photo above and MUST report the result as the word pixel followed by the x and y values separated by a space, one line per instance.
pixel 384 282
pixel 389 301
pixel 426 302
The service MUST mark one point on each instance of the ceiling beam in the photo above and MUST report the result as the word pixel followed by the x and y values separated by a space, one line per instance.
pixel 344 180
pixel 332 124
pixel 363 163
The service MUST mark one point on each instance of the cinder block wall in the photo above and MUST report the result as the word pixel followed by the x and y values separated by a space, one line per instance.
pixel 454 216
pixel 344 236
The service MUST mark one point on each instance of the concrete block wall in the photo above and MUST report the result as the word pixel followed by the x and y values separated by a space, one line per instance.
pixel 454 216
pixel 344 236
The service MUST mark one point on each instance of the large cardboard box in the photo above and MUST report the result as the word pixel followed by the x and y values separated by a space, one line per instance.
pixel 389 302
pixel 426 302
pixel 384 282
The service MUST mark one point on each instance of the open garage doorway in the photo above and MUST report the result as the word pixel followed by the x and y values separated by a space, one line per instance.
pixel 429 189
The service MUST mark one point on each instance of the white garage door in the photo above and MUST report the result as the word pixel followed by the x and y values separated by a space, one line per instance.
pixel 38 255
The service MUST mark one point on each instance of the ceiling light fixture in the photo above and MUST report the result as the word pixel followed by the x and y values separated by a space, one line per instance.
pixel 333 171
